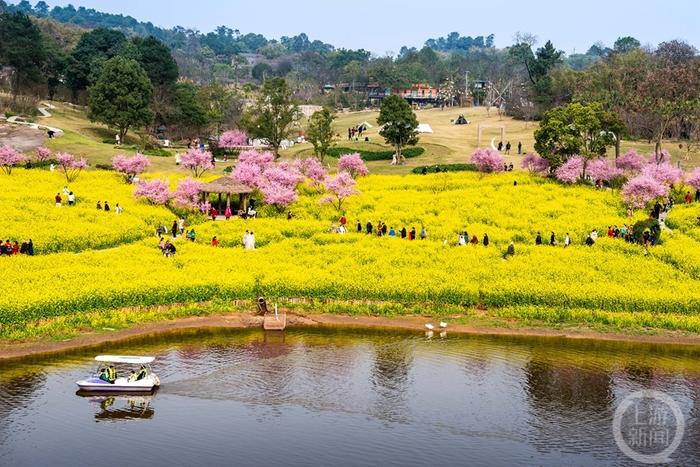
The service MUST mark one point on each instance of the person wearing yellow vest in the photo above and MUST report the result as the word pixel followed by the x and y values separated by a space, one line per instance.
pixel 112 374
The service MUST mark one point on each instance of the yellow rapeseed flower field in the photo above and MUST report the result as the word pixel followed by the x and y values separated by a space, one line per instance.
pixel 91 260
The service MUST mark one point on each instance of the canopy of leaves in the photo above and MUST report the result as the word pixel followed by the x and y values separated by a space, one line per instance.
pixel 399 125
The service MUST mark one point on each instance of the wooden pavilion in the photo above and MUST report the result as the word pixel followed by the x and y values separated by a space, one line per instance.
pixel 227 186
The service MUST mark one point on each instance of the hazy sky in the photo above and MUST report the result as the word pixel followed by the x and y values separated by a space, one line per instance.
pixel 385 25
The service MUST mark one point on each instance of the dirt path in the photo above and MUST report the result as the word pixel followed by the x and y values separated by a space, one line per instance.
pixel 296 320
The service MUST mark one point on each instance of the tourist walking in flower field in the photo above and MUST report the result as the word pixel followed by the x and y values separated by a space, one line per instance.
pixel 99 206
pixel 392 232
pixel 567 240
pixel 688 198
pixel 214 213
pixel 227 212
pixel 403 232
pixel 461 240
pixel 71 199
pixel 173 229
pixel 412 234
pixel 369 227
pixel 191 235
pixel 486 240
pixel 181 225
pixel 214 241
pixel 359 227
pixel 474 240
pixel 384 229
pixel 538 239
pixel 511 250
pixel 423 233
pixel 249 240
pixel 58 200
pixel 553 239
pixel 118 209
pixel 107 208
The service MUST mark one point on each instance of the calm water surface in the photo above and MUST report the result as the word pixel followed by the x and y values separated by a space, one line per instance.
pixel 344 397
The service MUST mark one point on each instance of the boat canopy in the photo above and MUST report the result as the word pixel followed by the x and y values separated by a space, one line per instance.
pixel 124 359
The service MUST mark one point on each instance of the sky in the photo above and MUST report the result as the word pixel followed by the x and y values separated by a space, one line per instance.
pixel 383 26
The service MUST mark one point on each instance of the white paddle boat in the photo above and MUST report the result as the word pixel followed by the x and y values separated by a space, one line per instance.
pixel 108 379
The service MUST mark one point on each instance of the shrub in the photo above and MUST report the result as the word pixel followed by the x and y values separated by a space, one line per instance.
pixel 368 155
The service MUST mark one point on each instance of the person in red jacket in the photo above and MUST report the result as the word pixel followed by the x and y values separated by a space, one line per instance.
pixel 688 198
pixel 214 213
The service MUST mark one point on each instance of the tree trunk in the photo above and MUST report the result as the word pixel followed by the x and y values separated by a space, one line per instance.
pixel 617 146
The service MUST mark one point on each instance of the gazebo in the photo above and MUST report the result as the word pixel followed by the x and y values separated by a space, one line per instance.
pixel 227 186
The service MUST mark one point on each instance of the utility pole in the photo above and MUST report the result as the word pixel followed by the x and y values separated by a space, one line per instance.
pixel 466 84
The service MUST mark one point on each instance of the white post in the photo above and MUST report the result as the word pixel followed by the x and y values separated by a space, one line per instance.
pixel 276 317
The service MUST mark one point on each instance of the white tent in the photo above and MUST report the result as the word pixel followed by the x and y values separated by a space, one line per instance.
pixel 424 128
pixel 366 124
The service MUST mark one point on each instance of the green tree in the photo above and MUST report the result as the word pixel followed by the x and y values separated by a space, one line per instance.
pixel 399 123
pixel 272 114
pixel 121 96
pixel 626 44
pixel 189 112
pixel 576 128
pixel 93 45
pixel 320 132
pixel 22 48
pixel 155 58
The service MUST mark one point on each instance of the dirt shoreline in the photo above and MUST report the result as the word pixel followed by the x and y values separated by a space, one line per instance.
pixel 297 320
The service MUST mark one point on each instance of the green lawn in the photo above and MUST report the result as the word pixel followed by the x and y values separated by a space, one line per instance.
pixel 449 144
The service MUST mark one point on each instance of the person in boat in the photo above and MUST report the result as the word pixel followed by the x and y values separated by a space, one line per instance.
pixel 141 373
pixel 132 377
pixel 112 374
pixel 103 375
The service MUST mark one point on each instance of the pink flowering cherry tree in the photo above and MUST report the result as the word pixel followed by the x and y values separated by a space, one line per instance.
pixel 198 162
pixel 694 179
pixel 630 162
pixel 277 183
pixel 130 167
pixel 312 169
pixel 187 194
pixel 233 139
pixel 42 154
pixel 9 158
pixel 535 163
pixel 339 188
pixel 352 164
pixel 154 191
pixel 664 173
pixel 487 160
pixel 71 166
pixel 641 190
pixel 601 169
pixel 572 170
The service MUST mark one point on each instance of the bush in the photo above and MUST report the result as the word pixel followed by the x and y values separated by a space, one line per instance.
pixel 157 152
pixel 446 168
pixel 374 155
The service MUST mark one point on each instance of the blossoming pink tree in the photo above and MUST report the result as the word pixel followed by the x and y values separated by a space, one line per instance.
pixel 130 167
pixel 535 163
pixel 155 191
pixel 694 178
pixel 602 170
pixel 352 164
pixel 233 139
pixel 251 165
pixel 664 173
pixel 312 169
pixel 197 161
pixel 643 189
pixel 9 158
pixel 487 160
pixel 660 158
pixel 187 194
pixel 277 183
pixel 340 187
pixel 42 154
pixel 571 171
pixel 630 162
pixel 71 166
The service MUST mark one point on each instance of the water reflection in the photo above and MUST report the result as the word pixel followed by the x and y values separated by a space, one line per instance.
pixel 120 408
pixel 314 397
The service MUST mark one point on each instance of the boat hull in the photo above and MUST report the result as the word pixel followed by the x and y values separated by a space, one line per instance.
pixel 120 385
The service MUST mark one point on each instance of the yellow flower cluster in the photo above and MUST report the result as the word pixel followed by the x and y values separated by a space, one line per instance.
pixel 299 258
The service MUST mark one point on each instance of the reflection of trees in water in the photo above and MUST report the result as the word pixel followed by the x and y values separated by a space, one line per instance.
pixel 569 404
pixel 691 442
pixel 390 379
pixel 15 393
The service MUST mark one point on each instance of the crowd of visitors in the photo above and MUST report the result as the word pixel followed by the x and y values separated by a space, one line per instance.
pixel 355 132
pixel 14 248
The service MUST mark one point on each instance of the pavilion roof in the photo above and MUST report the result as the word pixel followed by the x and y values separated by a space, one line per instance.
pixel 226 185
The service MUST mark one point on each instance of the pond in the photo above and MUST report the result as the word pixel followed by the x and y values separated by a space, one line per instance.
pixel 345 397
